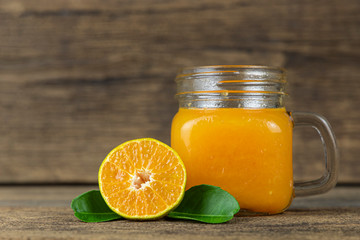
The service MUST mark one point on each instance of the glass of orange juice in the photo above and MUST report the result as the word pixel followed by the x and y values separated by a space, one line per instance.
pixel 233 131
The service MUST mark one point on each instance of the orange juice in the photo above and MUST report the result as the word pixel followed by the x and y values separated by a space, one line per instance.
pixel 232 131
pixel 247 152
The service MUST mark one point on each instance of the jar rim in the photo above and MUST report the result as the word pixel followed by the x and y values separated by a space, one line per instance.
pixel 250 86
pixel 212 69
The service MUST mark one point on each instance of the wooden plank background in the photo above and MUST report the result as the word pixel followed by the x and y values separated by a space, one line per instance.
pixel 77 78
pixel 334 215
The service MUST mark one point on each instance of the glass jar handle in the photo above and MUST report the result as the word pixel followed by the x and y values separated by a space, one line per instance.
pixel 329 178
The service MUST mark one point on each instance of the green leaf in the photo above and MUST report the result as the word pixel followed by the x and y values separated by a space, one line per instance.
pixel 206 203
pixel 91 207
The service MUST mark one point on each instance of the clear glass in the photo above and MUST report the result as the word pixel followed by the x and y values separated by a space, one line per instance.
pixel 233 131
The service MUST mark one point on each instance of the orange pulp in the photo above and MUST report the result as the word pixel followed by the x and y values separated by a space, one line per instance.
pixel 247 152
pixel 142 179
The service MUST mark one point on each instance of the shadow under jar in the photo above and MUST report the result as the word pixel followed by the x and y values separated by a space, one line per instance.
pixel 233 131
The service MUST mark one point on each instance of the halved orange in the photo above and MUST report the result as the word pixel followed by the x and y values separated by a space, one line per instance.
pixel 142 179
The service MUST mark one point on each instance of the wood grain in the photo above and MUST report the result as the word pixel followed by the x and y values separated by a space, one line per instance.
pixel 36 213
pixel 59 223
pixel 78 78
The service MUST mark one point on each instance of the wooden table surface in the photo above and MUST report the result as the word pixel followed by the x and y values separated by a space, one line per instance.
pixel 43 212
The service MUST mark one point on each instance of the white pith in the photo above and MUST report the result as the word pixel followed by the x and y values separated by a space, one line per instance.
pixel 141 179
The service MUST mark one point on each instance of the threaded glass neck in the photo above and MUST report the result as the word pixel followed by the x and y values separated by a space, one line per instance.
pixel 231 86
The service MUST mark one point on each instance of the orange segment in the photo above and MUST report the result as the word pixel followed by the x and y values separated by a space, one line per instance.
pixel 142 179
pixel 118 159
pixel 170 175
pixel 166 192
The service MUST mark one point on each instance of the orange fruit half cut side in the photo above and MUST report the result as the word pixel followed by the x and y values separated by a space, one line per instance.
pixel 142 179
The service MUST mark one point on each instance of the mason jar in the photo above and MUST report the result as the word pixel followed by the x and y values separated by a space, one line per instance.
pixel 232 131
